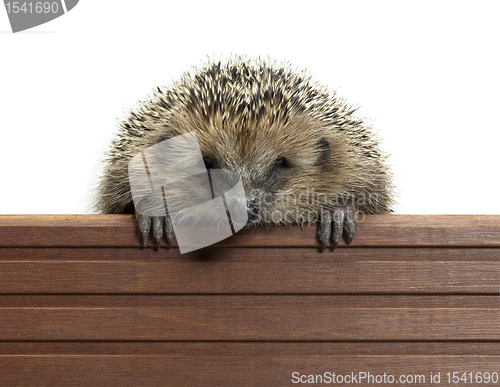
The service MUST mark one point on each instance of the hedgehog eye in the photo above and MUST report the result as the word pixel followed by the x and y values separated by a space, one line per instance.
pixel 210 163
pixel 163 137
pixel 281 163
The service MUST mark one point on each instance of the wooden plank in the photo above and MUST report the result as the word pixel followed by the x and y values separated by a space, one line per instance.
pixel 252 301
pixel 235 371
pixel 231 364
pixel 158 348
pixel 226 277
pixel 375 230
pixel 239 370
pixel 249 318
pixel 224 348
pixel 217 254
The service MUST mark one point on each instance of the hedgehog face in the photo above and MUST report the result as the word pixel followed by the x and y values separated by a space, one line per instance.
pixel 279 171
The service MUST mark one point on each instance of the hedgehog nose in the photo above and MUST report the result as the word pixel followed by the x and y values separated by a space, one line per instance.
pixel 252 210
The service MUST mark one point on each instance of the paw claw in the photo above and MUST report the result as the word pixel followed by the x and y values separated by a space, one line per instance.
pixel 334 245
pixel 144 224
pixel 335 224
pixel 325 229
pixel 349 226
pixel 348 238
pixel 169 230
pixel 159 226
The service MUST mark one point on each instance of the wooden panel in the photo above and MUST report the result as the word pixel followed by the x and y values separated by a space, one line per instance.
pixel 213 255
pixel 232 349
pixel 82 304
pixel 278 349
pixel 374 230
pixel 235 370
pixel 335 275
pixel 201 318
pixel 240 364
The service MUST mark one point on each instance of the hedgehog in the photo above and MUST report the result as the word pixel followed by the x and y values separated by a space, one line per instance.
pixel 301 151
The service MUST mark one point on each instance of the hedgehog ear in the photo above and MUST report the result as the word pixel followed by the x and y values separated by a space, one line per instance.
pixel 323 151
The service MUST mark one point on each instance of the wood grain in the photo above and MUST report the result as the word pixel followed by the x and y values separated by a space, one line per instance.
pixel 227 371
pixel 82 304
pixel 198 277
pixel 217 254
pixel 249 318
pixel 374 230
pixel 232 364
pixel 278 349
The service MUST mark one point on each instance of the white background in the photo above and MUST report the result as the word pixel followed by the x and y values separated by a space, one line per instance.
pixel 425 72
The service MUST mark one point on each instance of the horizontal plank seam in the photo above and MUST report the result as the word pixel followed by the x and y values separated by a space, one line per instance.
pixel 370 294
pixel 255 341
pixel 263 247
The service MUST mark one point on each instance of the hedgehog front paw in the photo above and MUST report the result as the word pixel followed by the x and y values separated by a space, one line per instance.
pixel 160 226
pixel 334 224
